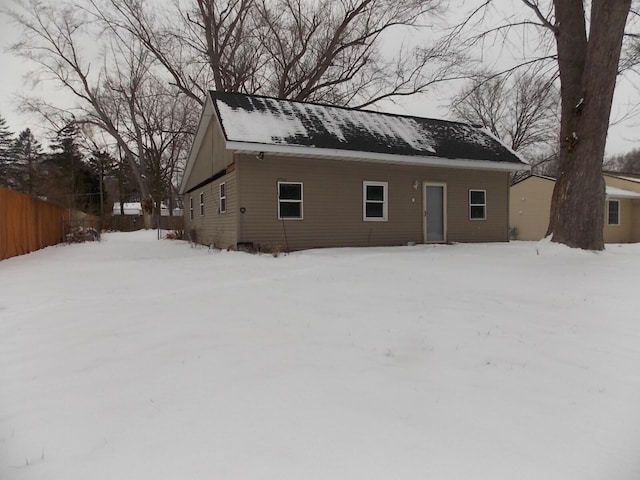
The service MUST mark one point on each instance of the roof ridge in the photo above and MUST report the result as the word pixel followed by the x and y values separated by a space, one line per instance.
pixel 342 107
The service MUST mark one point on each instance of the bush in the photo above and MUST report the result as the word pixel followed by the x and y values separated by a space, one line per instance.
pixel 174 235
pixel 80 235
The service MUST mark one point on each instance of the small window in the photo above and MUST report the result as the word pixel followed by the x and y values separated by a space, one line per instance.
pixel 477 204
pixel 201 204
pixel 289 201
pixel 375 203
pixel 223 198
pixel 613 212
pixel 190 208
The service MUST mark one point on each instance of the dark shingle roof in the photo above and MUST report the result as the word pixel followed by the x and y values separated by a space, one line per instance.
pixel 270 121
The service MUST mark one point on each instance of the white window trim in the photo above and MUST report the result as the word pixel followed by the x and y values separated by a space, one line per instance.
pixel 619 208
pixel 201 204
pixel 478 204
pixel 222 187
pixel 301 201
pixel 385 201
pixel 190 208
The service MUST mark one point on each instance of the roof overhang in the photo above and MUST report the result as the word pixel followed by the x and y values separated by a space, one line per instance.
pixel 426 161
pixel 614 192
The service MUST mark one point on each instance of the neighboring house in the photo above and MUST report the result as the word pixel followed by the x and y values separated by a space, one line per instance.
pixel 530 206
pixel 272 173
pixel 135 209
pixel 129 208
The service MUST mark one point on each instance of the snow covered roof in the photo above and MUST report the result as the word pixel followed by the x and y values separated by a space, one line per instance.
pixel 614 192
pixel 134 208
pixel 276 125
pixel 130 208
pixel 611 192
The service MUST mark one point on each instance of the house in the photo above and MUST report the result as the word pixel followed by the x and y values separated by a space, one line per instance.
pixel 530 205
pixel 135 209
pixel 265 172
pixel 129 208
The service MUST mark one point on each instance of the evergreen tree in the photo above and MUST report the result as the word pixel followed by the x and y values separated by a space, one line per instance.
pixel 27 161
pixel 75 181
pixel 7 176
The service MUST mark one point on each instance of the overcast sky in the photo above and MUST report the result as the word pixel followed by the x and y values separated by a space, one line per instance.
pixel 623 136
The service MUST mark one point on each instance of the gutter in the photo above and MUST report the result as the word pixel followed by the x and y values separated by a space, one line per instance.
pixel 428 161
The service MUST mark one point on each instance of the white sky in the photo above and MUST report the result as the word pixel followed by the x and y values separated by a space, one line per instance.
pixel 623 135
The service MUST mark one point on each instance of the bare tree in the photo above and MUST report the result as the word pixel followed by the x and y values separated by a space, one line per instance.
pixel 626 163
pixel 201 44
pixel 117 94
pixel 325 50
pixel 521 109
pixel 167 121
pixel 585 49
pixel 588 66
pixel 331 50
pixel 52 39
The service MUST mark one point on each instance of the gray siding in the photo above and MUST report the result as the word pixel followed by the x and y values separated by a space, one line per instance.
pixel 214 227
pixel 212 156
pixel 333 203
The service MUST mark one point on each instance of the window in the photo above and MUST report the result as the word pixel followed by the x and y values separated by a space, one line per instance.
pixel 613 210
pixel 190 208
pixel 477 204
pixel 289 200
pixel 374 199
pixel 223 198
pixel 201 204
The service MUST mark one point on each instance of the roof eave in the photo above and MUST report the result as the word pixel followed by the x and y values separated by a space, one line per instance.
pixel 622 195
pixel 432 161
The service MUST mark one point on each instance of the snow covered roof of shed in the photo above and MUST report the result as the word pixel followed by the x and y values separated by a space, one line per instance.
pixel 277 125
pixel 615 192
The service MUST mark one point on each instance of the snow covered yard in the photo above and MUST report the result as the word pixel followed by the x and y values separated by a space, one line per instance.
pixel 135 358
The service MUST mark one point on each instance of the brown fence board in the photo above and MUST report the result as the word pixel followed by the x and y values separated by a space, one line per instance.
pixel 28 224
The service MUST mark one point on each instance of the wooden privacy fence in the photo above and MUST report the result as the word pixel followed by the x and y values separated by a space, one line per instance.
pixel 28 224
pixel 130 223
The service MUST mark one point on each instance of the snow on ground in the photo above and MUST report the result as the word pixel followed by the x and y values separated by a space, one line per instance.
pixel 137 358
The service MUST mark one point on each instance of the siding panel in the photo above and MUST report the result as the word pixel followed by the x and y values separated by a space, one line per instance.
pixel 214 228
pixel 333 203
pixel 530 206
pixel 635 220
pixel 621 233
pixel 212 156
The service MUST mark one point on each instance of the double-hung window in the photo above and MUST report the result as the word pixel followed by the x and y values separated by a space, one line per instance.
pixel 613 212
pixel 478 204
pixel 223 198
pixel 375 203
pixel 201 204
pixel 190 208
pixel 289 201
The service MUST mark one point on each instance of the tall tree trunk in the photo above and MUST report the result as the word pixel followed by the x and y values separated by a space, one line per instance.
pixel 588 71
